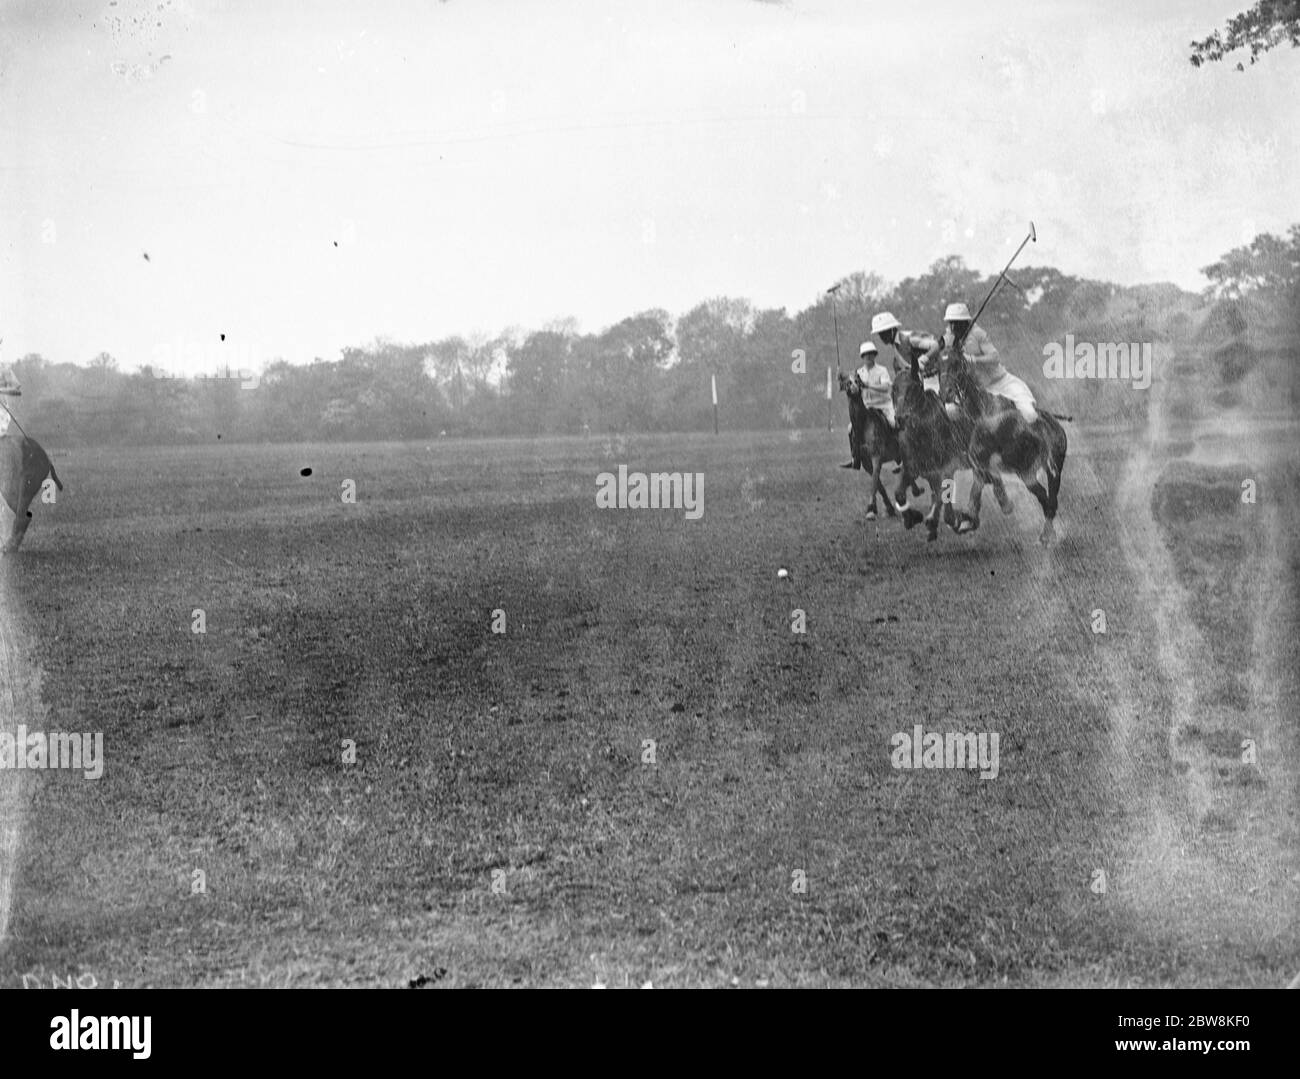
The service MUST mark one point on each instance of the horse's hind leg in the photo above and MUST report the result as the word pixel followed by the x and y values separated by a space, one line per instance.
pixel 1054 483
pixel 952 517
pixel 1000 493
pixel 1050 499
pixel 969 521
pixel 1047 502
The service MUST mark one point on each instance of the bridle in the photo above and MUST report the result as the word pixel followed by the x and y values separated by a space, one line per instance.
pixel 958 372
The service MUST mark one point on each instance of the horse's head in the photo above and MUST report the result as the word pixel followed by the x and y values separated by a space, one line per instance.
pixel 956 382
pixel 849 384
pixel 907 389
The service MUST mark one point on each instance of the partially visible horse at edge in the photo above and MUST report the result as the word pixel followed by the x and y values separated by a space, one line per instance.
pixel 24 468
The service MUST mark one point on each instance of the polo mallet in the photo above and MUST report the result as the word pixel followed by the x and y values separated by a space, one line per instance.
pixel 835 318
pixel 1033 235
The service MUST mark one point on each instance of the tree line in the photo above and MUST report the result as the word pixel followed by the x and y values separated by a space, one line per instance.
pixel 648 372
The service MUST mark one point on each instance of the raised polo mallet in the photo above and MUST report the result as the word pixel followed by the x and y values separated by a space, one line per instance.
pixel 1033 235
pixel 836 320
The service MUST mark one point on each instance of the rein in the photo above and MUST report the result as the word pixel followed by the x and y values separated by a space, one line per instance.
pixel 963 381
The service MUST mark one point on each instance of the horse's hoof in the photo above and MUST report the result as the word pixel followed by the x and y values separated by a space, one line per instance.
pixel 911 518
pixel 967 525
pixel 932 535
pixel 871 515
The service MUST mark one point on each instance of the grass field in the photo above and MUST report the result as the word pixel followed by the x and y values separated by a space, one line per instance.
pixel 501 824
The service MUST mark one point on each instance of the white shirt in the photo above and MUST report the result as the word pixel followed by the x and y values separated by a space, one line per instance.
pixel 876 384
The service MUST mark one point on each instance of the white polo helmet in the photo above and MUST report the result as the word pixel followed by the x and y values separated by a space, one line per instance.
pixel 883 321
pixel 957 312
pixel 867 348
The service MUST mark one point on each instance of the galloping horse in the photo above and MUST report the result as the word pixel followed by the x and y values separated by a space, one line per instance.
pixel 873 442
pixel 933 446
pixel 998 430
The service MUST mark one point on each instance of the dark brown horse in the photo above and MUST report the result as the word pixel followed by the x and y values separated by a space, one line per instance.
pixel 1003 441
pixel 24 467
pixel 874 444
pixel 933 446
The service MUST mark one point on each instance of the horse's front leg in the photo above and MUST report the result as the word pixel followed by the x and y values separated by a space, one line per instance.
pixel 877 462
pixel 952 517
pixel 905 480
pixel 908 482
pixel 936 506
pixel 890 508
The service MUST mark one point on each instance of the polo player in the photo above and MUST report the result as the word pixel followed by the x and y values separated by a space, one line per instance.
pixel 874 386
pixel 906 344
pixel 986 365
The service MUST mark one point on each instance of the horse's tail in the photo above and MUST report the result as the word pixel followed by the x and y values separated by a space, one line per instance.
pixel 55 477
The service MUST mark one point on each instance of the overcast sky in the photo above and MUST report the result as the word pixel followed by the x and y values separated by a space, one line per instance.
pixel 305 177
